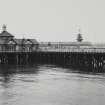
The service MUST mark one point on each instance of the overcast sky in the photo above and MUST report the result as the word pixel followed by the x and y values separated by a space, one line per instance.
pixel 54 20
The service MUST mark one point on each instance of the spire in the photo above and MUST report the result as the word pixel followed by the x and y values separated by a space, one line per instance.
pixel 4 27
pixel 79 37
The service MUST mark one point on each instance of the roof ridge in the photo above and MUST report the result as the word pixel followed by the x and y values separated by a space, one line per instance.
pixel 6 33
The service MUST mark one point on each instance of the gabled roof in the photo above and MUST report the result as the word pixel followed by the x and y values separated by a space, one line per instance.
pixel 5 34
pixel 34 41
pixel 12 41
pixel 24 41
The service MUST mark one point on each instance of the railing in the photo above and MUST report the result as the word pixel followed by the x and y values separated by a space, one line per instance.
pixel 87 50
pixel 13 51
pixel 90 50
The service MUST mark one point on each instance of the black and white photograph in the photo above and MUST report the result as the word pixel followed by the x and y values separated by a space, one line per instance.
pixel 52 52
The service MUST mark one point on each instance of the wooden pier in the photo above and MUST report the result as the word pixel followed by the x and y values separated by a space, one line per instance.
pixel 90 59
pixel 79 54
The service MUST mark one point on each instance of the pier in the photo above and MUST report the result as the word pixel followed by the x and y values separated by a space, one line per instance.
pixel 79 54
pixel 88 59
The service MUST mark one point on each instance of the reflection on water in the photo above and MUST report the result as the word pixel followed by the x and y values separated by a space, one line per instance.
pixel 50 85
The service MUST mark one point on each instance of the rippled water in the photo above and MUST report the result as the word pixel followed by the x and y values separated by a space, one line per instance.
pixel 50 85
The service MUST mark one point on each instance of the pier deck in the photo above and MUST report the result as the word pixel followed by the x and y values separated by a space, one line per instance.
pixel 73 50
pixel 92 59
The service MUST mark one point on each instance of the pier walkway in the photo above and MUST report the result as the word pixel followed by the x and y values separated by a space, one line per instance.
pixel 73 50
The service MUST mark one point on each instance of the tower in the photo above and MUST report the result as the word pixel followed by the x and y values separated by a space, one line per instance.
pixel 5 35
pixel 79 37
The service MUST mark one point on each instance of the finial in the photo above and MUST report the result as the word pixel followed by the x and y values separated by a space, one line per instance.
pixel 79 30
pixel 4 27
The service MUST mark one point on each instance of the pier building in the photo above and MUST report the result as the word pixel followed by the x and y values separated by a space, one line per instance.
pixel 10 44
